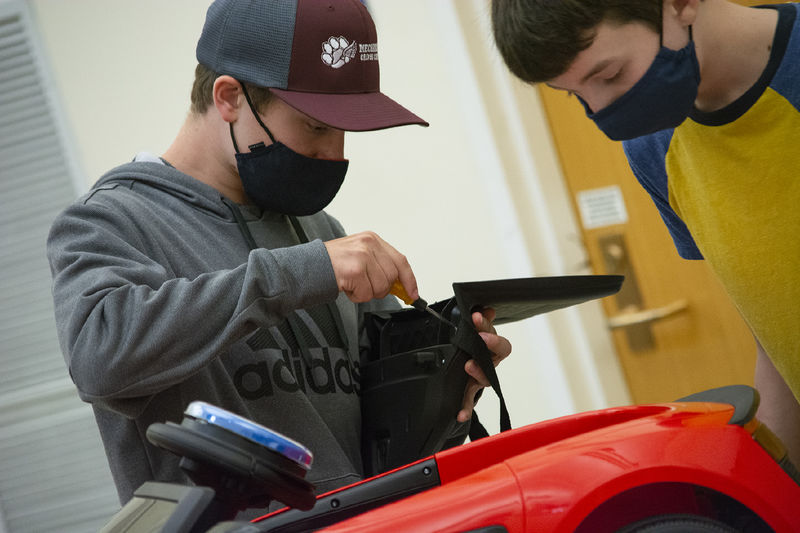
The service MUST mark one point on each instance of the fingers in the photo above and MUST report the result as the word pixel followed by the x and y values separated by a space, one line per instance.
pixel 483 320
pixel 406 277
pixel 500 348
pixel 472 368
pixel 476 382
pixel 392 265
pixel 468 405
pixel 365 267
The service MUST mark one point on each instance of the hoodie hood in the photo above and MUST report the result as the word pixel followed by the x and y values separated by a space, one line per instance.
pixel 150 171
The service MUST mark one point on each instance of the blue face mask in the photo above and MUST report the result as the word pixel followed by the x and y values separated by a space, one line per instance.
pixel 278 179
pixel 661 99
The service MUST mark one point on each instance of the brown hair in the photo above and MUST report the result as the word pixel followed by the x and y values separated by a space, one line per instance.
pixel 539 39
pixel 202 88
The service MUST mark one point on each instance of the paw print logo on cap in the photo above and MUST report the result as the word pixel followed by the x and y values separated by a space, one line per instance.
pixel 336 51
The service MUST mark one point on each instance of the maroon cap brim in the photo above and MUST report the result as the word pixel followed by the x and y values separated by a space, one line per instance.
pixel 351 112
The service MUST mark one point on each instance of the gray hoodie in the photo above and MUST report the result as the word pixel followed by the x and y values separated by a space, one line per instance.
pixel 156 293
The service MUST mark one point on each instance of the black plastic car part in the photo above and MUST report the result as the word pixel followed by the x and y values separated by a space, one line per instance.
pixel 743 398
pixel 340 505
pixel 408 388
pixel 356 499
pixel 166 508
pixel 228 454
pixel 413 378
pixel 235 463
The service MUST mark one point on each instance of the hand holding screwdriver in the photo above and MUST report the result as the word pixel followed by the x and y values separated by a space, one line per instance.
pixel 365 266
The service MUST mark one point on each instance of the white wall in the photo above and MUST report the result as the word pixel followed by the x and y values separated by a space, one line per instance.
pixel 439 194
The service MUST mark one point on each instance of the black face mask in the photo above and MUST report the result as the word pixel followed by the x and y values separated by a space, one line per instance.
pixel 278 179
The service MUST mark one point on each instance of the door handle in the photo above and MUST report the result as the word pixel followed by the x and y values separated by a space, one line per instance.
pixel 646 315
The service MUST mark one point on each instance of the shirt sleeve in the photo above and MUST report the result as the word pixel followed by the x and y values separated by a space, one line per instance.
pixel 646 156
pixel 129 328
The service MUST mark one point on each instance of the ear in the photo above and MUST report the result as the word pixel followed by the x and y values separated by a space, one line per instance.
pixel 684 10
pixel 227 93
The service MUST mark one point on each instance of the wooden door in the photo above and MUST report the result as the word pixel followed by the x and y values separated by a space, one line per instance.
pixel 675 329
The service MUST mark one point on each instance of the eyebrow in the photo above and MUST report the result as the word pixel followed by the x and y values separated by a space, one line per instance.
pixel 598 68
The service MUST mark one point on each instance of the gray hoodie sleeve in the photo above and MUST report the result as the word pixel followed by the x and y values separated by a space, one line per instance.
pixel 130 327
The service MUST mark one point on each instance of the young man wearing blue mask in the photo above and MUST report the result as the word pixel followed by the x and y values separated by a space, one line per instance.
pixel 705 95
pixel 212 272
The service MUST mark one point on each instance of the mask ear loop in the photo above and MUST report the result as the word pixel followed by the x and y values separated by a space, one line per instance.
pixel 255 114
pixel 253 109
pixel 235 146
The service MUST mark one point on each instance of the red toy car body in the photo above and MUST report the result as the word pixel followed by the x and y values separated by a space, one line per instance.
pixel 600 472
pixel 704 463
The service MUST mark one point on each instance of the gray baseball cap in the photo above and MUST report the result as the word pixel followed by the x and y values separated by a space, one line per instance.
pixel 318 56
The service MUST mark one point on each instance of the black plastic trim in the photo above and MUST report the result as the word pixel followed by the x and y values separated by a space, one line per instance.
pixel 743 398
pixel 358 499
pixel 194 510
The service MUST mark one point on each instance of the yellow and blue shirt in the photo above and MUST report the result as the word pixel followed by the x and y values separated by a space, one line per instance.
pixel 727 185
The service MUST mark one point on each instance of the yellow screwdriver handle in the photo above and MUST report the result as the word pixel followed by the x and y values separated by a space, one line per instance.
pixel 400 291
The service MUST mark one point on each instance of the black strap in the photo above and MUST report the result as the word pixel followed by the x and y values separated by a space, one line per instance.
pixel 332 308
pixel 468 340
pixel 298 229
pixel 255 113
pixel 476 429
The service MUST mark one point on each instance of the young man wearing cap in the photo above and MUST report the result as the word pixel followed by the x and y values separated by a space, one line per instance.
pixel 705 94
pixel 211 273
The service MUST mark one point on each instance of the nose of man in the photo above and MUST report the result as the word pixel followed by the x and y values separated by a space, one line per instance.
pixel 331 147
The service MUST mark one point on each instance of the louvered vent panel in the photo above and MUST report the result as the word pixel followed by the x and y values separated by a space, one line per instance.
pixel 53 472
